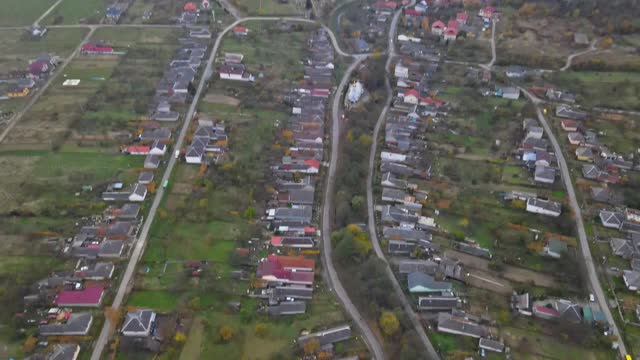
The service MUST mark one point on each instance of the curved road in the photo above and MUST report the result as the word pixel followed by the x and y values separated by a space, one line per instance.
pixel 406 304
pixel 138 250
pixel 327 209
pixel 582 235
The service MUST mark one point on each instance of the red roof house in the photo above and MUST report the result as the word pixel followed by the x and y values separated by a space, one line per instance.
pixel 190 7
pixel 412 12
pixel 91 296
pixel 450 34
pixel 138 150
pixel 38 68
pixel 240 31
pixel 569 125
pixel 437 27
pixel 462 18
pixel 287 269
pixel 91 48
pixel 487 12
pixel 452 24
pixel 323 93
pixel 313 163
pixel 386 5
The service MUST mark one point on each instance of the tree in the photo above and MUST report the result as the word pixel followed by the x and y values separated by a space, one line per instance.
pixel 389 323
pixel 311 346
pixel 180 337
pixel 425 24
pixel 250 213
pixel 261 329
pixel 29 344
pixel 226 333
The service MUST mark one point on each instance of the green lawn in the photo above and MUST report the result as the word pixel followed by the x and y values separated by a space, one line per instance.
pixel 77 11
pixel 604 89
pixel 24 13
pixel 162 301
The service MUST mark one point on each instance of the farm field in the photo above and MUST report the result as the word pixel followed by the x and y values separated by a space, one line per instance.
pixel 22 15
pixel 77 12
pixel 87 111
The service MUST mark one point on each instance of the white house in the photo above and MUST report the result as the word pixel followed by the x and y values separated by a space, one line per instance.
pixel 355 92
pixel 393 157
pixel 139 193
pixel 139 323
pixel 632 279
pixel 544 207
pixel 401 71
pixel 411 97
pixel 158 148
pixel 194 155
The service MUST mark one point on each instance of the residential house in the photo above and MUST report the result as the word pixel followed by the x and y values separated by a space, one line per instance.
pixel 287 308
pixel 139 323
pixel 401 71
pixel 611 219
pixel 450 34
pixel 297 242
pixel 158 148
pixel 145 177
pixel 555 248
pixel 625 248
pixel 487 12
pixel 301 213
pixel 545 174
pixel 512 93
pixel 90 296
pixel 93 270
pixel 584 153
pixel 490 345
pixel 428 267
pixel 438 303
pixel 575 138
pixel 328 336
pixel 240 31
pixel 419 282
pixel 234 72
pixel 17 92
pixel 286 270
pixel 545 312
pixel 544 207
pixel 152 161
pixel 457 323
pixel 77 324
pixel 96 49
pixel 565 111
pixel 631 279
pixel 569 125
pixel 438 27
pixel 138 193
pixel 405 234
pixel 515 71
pixel 462 18
pixel 521 303
pixel 400 248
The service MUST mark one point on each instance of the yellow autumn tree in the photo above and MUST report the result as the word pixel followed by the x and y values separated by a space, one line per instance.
pixel 311 347
pixel 425 24
pixel 389 323
pixel 226 333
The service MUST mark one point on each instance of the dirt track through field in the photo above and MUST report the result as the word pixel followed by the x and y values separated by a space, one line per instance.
pixel 221 99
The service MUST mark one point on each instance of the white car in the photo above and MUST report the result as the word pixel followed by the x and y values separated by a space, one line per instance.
pixel 592 298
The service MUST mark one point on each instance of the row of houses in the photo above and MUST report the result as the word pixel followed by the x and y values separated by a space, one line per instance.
pixel 102 240
pixel 23 82
pixel 287 281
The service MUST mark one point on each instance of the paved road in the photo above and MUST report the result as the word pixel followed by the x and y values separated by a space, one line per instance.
pixel 327 214
pixel 59 70
pixel 570 58
pixel 406 304
pixel 594 282
pixel 46 13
